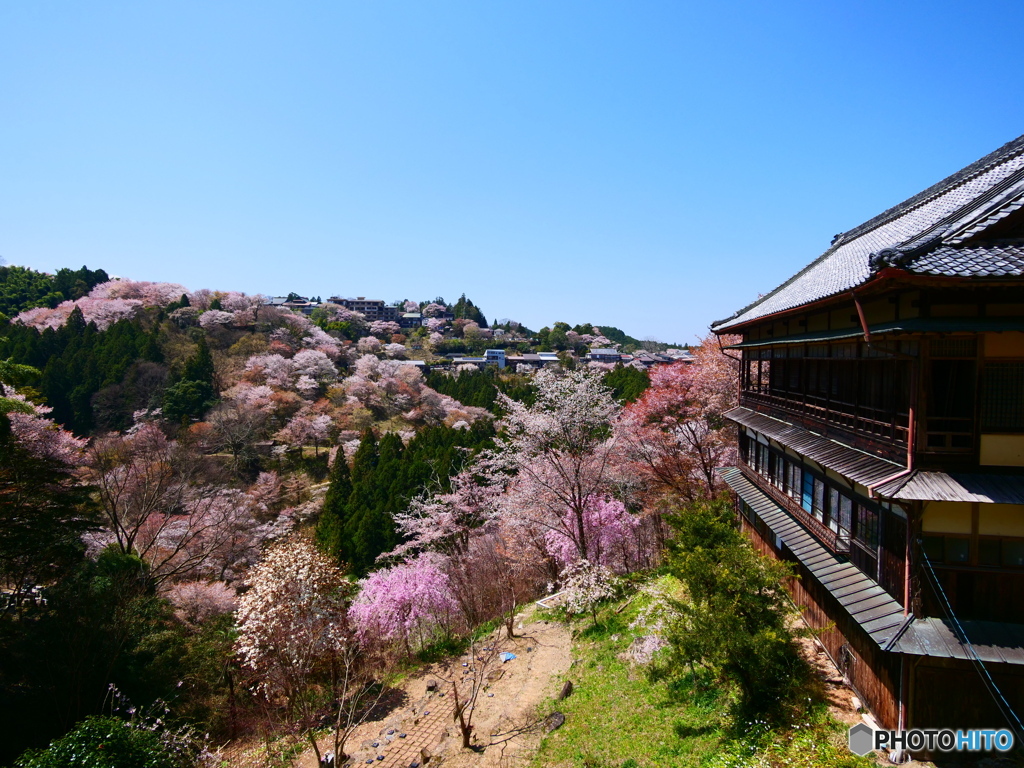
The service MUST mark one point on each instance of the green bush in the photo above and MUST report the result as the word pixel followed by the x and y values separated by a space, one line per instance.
pixel 105 742
pixel 734 622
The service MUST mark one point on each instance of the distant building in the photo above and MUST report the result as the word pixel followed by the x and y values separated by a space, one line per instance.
pixel 373 309
pixel 604 356
pixel 411 320
pixel 533 359
pixel 300 304
pixel 650 359
pixel 680 354
pixel 479 362
pixel 495 356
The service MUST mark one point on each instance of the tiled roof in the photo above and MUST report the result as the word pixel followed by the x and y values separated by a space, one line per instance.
pixel 984 260
pixel 959 206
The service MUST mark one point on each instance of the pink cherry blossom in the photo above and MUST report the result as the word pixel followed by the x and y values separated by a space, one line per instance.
pixel 406 603
pixel 608 530
pixel 214 317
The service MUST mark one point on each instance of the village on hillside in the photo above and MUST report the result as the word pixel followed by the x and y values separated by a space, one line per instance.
pixel 511 384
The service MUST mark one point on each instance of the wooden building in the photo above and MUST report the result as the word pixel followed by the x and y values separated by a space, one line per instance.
pixel 881 429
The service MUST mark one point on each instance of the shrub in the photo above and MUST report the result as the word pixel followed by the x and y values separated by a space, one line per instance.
pixel 734 621
pixel 106 742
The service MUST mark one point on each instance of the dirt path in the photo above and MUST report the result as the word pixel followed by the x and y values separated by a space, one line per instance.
pixel 424 731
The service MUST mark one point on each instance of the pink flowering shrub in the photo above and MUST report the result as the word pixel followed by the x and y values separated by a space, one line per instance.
pixel 406 604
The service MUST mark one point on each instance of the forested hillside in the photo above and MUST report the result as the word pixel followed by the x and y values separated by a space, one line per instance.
pixel 223 517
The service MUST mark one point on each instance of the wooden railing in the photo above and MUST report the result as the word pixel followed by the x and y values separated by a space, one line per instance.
pixel 838 542
pixel 870 422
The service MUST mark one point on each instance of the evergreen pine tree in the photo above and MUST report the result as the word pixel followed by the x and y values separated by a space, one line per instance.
pixel 331 525
pixel 199 367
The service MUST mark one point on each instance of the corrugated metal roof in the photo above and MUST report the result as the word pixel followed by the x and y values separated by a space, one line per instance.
pixel 992 641
pixel 861 597
pixel 910 325
pixel 861 467
pixel 985 487
pixel 985 188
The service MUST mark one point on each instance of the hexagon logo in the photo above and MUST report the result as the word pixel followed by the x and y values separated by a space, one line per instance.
pixel 862 739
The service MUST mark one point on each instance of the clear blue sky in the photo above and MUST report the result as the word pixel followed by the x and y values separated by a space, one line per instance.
pixel 649 165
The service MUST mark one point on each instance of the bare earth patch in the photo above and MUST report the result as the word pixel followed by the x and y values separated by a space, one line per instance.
pixel 424 731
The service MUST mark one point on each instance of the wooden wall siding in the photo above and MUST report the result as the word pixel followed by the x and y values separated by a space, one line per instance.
pixel 948 693
pixel 892 555
pixel 873 674
pixel 977 594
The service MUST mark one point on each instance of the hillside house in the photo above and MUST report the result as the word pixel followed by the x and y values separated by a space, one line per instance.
pixel 374 309
pixel 881 434
pixel 411 320
pixel 603 356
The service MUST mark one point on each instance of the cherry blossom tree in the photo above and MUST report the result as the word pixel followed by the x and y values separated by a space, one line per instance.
pixel 608 530
pixel 196 602
pixel 37 433
pixel 586 586
pixel 675 435
pixel 315 364
pixel 306 428
pixel 236 427
pixel 405 604
pixel 102 312
pixel 411 306
pixel 213 317
pixel 155 505
pixel 395 350
pixel 43 509
pixel 434 310
pixel 292 628
pixel 444 522
pixel 369 345
pixel 272 369
pixel 150 294
pixel 384 328
pixel 554 456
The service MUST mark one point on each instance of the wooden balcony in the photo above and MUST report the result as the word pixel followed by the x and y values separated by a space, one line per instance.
pixel 838 543
pixel 867 429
